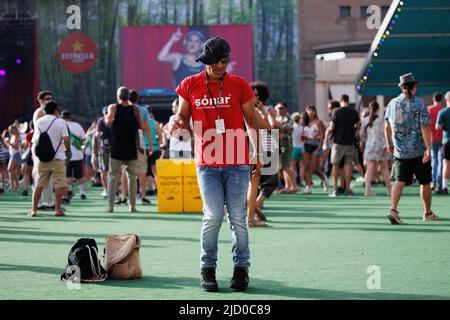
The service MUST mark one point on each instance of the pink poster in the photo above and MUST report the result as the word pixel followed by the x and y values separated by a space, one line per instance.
pixel 159 57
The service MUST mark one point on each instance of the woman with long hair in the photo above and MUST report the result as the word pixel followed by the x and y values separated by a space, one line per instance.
pixel 375 149
pixel 15 159
pixel 313 137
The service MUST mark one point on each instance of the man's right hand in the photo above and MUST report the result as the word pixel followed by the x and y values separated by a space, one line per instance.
pixel 175 125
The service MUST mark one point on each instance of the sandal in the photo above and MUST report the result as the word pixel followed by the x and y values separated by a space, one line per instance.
pixel 257 223
pixel 430 216
pixel 60 214
pixel 32 214
pixel 261 216
pixel 393 217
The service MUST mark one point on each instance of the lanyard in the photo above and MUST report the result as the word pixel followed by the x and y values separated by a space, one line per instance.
pixel 217 106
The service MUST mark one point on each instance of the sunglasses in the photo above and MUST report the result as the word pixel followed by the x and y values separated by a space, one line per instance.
pixel 225 60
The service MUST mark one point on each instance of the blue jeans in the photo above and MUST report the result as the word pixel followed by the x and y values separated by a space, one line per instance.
pixel 219 187
pixel 436 163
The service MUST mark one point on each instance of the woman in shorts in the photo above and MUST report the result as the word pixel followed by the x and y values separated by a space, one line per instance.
pixel 313 137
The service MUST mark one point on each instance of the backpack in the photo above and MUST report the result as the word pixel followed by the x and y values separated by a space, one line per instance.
pixel 122 259
pixel 83 258
pixel 44 147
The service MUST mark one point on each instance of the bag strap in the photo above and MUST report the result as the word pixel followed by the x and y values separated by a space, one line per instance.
pixel 50 124
pixel 98 277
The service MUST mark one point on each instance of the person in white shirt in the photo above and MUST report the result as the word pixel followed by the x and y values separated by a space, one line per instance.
pixel 59 136
pixel 43 98
pixel 180 146
pixel 75 167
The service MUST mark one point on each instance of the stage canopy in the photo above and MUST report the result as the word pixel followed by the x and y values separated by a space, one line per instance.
pixel 414 37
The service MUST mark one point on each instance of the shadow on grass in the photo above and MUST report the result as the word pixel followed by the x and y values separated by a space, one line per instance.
pixel 271 289
pixel 258 287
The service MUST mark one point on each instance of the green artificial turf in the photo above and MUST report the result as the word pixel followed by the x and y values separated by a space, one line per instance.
pixel 316 248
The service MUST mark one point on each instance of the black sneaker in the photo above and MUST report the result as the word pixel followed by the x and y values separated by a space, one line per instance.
pixel 442 191
pixel 65 201
pixel 208 279
pixel 240 279
pixel 83 197
pixel 119 202
pixel 2 190
pixel 70 194
pixel 25 193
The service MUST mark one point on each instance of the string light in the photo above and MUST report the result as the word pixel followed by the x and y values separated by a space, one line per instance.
pixel 386 34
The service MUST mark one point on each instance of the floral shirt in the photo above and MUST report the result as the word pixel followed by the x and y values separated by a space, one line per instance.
pixel 406 117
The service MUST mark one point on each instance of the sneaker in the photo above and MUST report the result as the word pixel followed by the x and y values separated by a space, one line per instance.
pixel 120 201
pixel 145 201
pixel 333 194
pixel 2 190
pixel 70 194
pixel 240 279
pixel 208 279
pixel 308 190
pixel 394 217
pixel 442 191
pixel 340 190
pixel 104 194
pixel 65 201
pixel 430 216
pixel 83 197
pixel 25 193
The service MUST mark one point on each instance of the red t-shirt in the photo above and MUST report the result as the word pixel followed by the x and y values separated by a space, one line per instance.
pixel 436 135
pixel 211 148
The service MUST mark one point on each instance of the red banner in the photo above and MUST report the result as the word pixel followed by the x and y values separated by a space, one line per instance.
pixel 77 53
pixel 159 57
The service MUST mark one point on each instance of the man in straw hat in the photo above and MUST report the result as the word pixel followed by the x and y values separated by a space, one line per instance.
pixel 408 135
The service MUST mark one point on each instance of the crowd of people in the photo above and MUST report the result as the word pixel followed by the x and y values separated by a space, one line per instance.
pixel 352 143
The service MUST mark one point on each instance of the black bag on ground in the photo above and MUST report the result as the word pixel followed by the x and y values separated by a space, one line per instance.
pixel 44 148
pixel 83 263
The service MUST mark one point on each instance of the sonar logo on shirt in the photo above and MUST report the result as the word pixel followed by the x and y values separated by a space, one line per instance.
pixel 208 102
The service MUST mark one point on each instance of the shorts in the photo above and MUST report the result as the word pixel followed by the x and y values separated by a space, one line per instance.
pixel 297 154
pixel 55 168
pixel 75 169
pixel 268 184
pixel 103 161
pixel 88 160
pixel 17 158
pixel 151 161
pixel 141 167
pixel 406 169
pixel 446 151
pixel 285 158
pixel 341 152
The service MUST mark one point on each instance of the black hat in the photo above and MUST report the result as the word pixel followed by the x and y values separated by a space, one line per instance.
pixel 407 78
pixel 66 114
pixel 214 49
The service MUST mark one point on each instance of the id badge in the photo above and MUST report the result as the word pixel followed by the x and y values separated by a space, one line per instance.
pixel 220 126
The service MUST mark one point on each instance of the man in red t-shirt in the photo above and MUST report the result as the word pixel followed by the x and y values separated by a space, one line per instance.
pixel 219 103
pixel 436 138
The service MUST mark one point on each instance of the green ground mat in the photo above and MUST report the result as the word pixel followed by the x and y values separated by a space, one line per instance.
pixel 315 248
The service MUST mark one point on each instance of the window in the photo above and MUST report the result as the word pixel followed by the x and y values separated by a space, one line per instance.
pixel 363 12
pixel 345 12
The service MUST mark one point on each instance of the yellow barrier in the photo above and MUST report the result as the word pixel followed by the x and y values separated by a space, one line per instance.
pixel 170 185
pixel 177 186
pixel 192 199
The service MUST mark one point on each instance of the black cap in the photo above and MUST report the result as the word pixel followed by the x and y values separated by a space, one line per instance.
pixel 66 114
pixel 214 49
